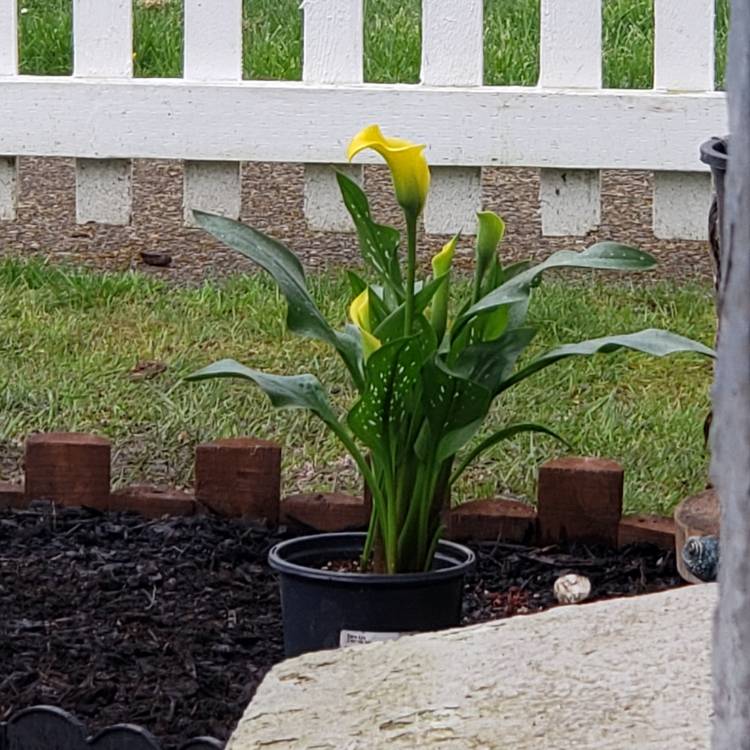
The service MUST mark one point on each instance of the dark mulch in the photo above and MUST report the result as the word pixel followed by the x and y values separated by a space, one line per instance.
pixel 513 579
pixel 171 624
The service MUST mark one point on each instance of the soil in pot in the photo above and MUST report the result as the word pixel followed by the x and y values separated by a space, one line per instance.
pixel 172 623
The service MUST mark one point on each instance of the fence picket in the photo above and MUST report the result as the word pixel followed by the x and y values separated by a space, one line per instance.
pixel 212 186
pixel 8 38
pixel 102 39
pixel 8 67
pixel 104 191
pixel 333 52
pixel 683 61
pixel 453 55
pixel 213 40
pixel 103 48
pixel 570 201
pixel 213 52
pixel 8 188
pixel 681 203
pixel 684 45
pixel 570 57
pixel 333 42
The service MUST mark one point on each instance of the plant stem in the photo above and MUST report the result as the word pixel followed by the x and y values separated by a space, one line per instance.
pixel 411 267
pixel 476 293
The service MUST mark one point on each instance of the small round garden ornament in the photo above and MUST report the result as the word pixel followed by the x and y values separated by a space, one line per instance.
pixel 572 588
pixel 701 557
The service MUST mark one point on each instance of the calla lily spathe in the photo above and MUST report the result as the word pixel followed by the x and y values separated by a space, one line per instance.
pixel 409 170
pixel 359 312
pixel 441 266
pixel 442 261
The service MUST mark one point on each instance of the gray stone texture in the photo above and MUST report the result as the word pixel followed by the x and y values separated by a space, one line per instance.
pixel 623 673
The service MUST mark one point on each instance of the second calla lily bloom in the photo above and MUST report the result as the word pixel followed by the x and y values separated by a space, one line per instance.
pixel 359 312
pixel 411 175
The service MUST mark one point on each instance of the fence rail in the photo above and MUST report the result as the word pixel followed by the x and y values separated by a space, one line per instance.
pixel 567 125
pixel 51 728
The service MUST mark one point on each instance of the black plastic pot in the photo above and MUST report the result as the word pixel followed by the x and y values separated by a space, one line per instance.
pixel 715 153
pixel 326 609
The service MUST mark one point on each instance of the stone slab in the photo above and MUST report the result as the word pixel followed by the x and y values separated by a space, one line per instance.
pixel 613 675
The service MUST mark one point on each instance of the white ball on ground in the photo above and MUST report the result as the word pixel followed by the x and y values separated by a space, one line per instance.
pixel 571 588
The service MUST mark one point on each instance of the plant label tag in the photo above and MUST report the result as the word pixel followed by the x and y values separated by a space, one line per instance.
pixel 350 637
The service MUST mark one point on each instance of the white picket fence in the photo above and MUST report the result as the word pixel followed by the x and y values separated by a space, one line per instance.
pixel 567 125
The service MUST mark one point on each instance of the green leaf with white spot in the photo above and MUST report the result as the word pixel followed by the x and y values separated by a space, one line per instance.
pixel 378 243
pixel 454 407
pixel 392 376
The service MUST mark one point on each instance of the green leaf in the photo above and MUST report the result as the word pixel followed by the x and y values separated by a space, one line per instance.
pixel 652 341
pixel 303 316
pixel 378 309
pixel 511 271
pixel 356 283
pixel 454 407
pixel 500 435
pixel 294 392
pixel 489 234
pixel 284 391
pixel 491 362
pixel 393 325
pixel 506 316
pixel 378 243
pixel 393 373
pixel 608 256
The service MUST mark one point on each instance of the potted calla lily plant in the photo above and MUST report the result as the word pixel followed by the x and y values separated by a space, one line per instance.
pixel 426 369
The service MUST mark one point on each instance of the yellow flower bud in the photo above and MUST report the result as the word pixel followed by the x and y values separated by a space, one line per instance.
pixel 409 170
pixel 359 312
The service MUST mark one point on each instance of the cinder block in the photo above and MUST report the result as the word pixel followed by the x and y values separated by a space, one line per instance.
pixel 239 477
pixel 68 468
pixel 12 495
pixel 151 501
pixel 491 519
pixel 646 529
pixel 325 512
pixel 580 500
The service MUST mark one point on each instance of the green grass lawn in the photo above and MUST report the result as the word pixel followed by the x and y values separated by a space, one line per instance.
pixel 69 340
pixel 273 34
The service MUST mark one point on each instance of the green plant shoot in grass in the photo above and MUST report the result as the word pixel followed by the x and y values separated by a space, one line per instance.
pixel 425 382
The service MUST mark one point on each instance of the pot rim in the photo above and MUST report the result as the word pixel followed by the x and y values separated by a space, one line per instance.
pixel 714 152
pixel 460 559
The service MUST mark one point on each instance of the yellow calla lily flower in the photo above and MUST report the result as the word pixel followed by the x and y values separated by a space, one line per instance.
pixel 359 312
pixel 409 170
